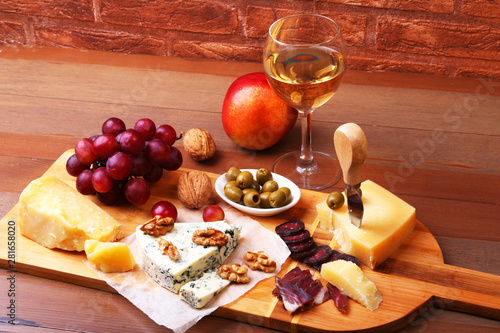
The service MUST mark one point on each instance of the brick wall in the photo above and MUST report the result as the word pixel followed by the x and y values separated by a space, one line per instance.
pixel 443 37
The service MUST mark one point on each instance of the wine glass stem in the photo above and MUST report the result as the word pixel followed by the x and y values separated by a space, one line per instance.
pixel 306 154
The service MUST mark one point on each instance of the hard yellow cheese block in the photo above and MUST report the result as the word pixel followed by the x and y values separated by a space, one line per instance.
pixel 56 216
pixel 109 257
pixel 387 221
pixel 350 279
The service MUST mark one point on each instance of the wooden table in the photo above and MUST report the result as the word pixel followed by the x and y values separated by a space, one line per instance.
pixel 433 141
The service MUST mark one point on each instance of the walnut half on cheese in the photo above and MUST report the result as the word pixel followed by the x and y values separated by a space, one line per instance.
pixel 387 221
pixel 55 215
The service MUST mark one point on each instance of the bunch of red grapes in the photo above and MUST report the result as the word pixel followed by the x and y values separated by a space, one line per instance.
pixel 124 161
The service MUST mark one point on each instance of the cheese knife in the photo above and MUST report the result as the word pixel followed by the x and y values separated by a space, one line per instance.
pixel 351 146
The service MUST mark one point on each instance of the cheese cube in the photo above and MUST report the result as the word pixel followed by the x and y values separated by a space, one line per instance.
pixel 55 215
pixel 201 291
pixel 387 221
pixel 350 279
pixel 109 257
pixel 194 259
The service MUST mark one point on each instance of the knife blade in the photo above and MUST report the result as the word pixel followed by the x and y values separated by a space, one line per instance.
pixel 351 147
pixel 355 206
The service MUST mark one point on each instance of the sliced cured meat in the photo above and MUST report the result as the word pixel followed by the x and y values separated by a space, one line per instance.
pixel 305 282
pixel 297 238
pixel 320 255
pixel 295 300
pixel 290 228
pixel 318 292
pixel 339 298
pixel 293 277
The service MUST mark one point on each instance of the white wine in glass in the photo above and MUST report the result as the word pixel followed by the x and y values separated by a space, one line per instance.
pixel 304 61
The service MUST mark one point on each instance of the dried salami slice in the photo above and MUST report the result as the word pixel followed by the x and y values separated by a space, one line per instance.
pixel 301 247
pixel 289 228
pixel 320 255
pixel 297 238
pixel 336 255
pixel 303 254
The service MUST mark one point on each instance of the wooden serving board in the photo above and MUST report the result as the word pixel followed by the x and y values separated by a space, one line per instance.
pixel 414 277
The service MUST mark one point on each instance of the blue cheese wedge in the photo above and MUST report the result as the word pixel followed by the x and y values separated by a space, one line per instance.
pixel 199 292
pixel 194 259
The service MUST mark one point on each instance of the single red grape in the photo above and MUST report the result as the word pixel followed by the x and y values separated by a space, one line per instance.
pixel 110 197
pixel 166 133
pixel 140 165
pixel 119 166
pixel 113 126
pixel 174 160
pixel 105 146
pixel 164 209
pixel 137 191
pixel 84 182
pixel 83 151
pixel 157 151
pixel 213 213
pixel 154 174
pixel 146 127
pixel 102 181
pixel 74 167
pixel 132 142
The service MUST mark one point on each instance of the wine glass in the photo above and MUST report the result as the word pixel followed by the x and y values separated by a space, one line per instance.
pixel 304 61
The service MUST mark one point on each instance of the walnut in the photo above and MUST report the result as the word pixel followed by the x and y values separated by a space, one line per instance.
pixel 234 273
pixel 259 260
pixel 199 144
pixel 194 188
pixel 169 249
pixel 211 236
pixel 158 226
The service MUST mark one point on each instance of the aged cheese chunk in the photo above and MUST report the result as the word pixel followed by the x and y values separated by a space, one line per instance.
pixel 109 257
pixel 194 259
pixel 350 279
pixel 387 221
pixel 199 292
pixel 56 216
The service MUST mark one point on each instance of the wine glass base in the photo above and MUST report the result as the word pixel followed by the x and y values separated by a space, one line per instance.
pixel 322 174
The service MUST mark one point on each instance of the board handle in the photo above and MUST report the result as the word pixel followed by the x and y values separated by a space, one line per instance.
pixel 469 291
pixel 454 288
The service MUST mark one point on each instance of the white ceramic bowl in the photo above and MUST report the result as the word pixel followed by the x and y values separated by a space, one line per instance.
pixel 282 182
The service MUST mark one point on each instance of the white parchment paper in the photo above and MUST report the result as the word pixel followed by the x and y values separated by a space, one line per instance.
pixel 165 307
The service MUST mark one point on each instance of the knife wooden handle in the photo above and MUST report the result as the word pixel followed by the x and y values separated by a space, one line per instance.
pixel 350 146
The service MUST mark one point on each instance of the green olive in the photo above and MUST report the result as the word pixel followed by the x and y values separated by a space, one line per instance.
pixel 232 173
pixel 255 185
pixel 233 193
pixel 244 179
pixel 230 183
pixel 288 193
pixel 335 200
pixel 277 199
pixel 264 200
pixel 251 199
pixel 248 190
pixel 263 175
pixel 270 186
